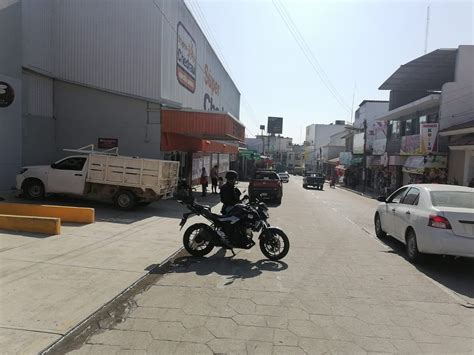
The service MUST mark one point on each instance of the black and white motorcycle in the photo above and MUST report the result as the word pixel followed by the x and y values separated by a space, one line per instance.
pixel 233 230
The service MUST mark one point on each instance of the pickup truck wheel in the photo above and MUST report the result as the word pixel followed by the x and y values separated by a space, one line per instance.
pixel 34 189
pixel 125 200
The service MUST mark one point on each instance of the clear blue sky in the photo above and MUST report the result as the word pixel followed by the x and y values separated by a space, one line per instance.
pixel 360 42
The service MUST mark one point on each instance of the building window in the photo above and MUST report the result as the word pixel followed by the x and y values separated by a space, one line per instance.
pixel 393 130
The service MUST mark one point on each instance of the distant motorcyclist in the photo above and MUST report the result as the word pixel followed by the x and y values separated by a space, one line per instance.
pixel 230 195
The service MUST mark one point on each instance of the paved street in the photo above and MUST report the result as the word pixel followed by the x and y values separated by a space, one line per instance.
pixel 338 290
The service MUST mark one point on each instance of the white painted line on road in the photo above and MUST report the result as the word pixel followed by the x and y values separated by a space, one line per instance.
pixel 350 220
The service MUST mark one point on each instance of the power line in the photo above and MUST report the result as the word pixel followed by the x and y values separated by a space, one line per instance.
pixel 305 44
pixel 205 26
pixel 291 26
pixel 175 31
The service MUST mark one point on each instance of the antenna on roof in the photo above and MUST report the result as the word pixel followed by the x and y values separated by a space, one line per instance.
pixel 352 106
pixel 427 27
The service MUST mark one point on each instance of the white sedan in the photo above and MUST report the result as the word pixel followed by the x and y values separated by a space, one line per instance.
pixel 429 218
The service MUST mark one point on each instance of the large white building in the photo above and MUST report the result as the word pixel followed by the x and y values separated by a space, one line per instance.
pixel 318 136
pixel 140 73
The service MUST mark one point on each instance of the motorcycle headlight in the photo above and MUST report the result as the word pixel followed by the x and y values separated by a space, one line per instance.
pixel 23 170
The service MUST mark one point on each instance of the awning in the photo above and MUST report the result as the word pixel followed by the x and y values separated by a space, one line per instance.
pixel 418 164
pixel 428 72
pixel 404 111
pixel 334 161
pixel 212 125
pixel 463 128
pixel 200 131
pixel 177 142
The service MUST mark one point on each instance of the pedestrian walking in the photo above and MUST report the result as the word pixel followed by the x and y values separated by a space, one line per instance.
pixel 204 181
pixel 214 177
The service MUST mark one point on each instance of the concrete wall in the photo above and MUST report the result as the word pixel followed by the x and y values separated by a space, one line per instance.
pixel 324 132
pixel 10 73
pixel 83 115
pixel 39 139
pixel 370 111
pixel 128 47
pixel 456 166
pixel 457 98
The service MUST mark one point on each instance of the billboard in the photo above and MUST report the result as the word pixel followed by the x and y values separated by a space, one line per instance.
pixel 275 125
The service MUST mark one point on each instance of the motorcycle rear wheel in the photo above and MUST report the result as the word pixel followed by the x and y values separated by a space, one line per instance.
pixel 194 243
pixel 275 245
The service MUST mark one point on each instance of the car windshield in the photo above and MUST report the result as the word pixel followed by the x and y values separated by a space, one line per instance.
pixel 266 176
pixel 460 199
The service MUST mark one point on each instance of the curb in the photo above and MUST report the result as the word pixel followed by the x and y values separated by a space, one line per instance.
pixel 112 312
pixel 357 192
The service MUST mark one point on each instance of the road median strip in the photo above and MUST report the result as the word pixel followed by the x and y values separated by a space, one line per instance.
pixel 35 224
pixel 65 213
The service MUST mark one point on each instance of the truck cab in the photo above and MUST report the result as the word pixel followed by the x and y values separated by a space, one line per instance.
pixel 66 176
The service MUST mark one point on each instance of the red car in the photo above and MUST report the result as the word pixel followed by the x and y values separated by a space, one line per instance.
pixel 266 184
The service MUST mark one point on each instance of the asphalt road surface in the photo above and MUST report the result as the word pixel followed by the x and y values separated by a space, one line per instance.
pixel 340 289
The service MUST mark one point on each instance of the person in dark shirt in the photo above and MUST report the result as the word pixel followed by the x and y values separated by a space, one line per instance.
pixel 230 195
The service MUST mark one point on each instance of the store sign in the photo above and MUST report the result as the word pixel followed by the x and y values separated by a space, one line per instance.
pixel 418 164
pixel 345 158
pixel 429 138
pixel 410 145
pixel 358 144
pixel 107 143
pixel 7 94
pixel 186 59
pixel 379 146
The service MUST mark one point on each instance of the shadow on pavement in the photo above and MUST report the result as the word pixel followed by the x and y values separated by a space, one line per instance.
pixel 457 274
pixel 106 212
pixel 232 267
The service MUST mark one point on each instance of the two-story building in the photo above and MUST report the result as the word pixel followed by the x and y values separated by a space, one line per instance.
pixel 416 152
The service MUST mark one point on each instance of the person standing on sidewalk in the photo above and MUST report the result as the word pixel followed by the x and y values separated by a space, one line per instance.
pixel 214 177
pixel 204 181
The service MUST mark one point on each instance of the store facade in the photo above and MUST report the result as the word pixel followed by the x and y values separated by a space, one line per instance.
pixel 111 71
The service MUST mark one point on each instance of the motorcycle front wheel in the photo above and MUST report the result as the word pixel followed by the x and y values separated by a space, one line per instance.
pixel 194 241
pixel 274 244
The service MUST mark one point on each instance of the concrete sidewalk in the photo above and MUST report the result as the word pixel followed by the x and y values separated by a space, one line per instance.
pixel 50 284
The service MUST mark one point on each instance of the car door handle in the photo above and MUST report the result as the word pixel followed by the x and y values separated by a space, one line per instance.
pixel 77 174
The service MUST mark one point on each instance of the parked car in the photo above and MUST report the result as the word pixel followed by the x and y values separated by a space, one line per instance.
pixel 284 176
pixel 429 218
pixel 266 184
pixel 125 180
pixel 314 179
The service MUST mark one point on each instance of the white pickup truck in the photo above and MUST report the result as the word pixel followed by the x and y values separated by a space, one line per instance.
pixel 125 180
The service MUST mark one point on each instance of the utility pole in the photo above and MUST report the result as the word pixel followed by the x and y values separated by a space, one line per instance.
pixel 352 106
pixel 427 28
pixel 262 129
pixel 364 158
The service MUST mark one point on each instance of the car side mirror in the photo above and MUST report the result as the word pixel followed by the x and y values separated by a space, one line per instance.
pixel 53 165
pixel 382 199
